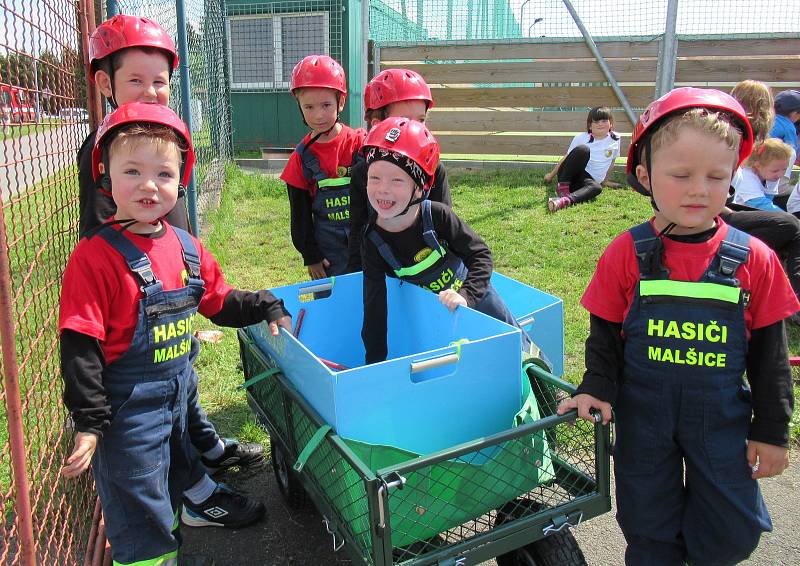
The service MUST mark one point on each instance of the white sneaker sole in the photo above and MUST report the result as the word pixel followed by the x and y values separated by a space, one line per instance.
pixel 192 521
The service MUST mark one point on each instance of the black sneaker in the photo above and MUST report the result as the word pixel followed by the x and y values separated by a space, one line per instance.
pixel 225 508
pixel 235 454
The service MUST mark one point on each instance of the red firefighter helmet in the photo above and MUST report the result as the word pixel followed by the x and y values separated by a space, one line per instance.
pixel 121 32
pixel 318 71
pixel 683 99
pixel 142 112
pixel 395 85
pixel 408 138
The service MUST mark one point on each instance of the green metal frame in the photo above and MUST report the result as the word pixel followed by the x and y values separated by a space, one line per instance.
pixel 589 495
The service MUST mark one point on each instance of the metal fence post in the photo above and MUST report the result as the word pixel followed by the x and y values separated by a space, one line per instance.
pixel 16 432
pixel 623 100
pixel 186 105
pixel 667 52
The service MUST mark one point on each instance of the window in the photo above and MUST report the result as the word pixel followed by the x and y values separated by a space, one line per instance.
pixel 265 48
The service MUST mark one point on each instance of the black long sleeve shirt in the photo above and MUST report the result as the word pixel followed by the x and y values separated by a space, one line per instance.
pixel 460 239
pixel 301 221
pixel 361 212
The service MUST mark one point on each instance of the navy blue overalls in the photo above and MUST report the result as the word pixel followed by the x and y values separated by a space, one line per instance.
pixel 331 209
pixel 683 408
pixel 144 461
pixel 442 270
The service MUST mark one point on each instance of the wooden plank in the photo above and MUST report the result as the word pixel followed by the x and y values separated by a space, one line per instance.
pixel 513 121
pixel 513 145
pixel 534 72
pixel 719 69
pixel 519 50
pixel 730 48
pixel 540 97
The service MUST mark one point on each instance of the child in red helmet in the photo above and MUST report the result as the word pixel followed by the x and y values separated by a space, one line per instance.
pixel 682 306
pixel 131 59
pixel 129 296
pixel 392 92
pixel 317 175
pixel 414 239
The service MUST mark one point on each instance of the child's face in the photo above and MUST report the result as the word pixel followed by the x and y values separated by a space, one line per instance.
pixel 412 109
pixel 145 174
pixel 689 180
pixel 389 189
pixel 771 170
pixel 319 107
pixel 142 77
pixel 600 128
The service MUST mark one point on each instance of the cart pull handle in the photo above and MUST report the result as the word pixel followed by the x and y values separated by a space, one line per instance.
pixel 383 489
pixel 332 531
pixel 312 445
pixel 561 521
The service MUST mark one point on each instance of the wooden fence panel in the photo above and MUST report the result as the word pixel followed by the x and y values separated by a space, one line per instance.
pixel 483 120
pixel 555 144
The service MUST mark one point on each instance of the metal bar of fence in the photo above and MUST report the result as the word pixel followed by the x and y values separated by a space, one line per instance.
pixel 87 22
pixel 668 52
pixel 16 432
pixel 602 62
pixel 186 106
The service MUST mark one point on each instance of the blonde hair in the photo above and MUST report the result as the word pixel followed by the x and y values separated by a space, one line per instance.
pixel 768 150
pixel 720 125
pixel 131 135
pixel 756 98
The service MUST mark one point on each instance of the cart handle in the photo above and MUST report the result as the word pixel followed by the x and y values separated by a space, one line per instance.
pixel 432 363
pixel 316 288
pixel 525 321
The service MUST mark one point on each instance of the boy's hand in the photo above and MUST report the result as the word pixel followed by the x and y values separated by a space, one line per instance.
pixel 585 403
pixel 284 321
pixel 767 460
pixel 81 457
pixel 317 270
pixel 548 177
pixel 451 299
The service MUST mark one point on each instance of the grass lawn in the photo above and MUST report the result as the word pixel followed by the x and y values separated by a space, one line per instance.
pixel 12 131
pixel 557 253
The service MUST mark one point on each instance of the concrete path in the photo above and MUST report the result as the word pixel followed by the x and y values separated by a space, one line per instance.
pixel 27 160
pixel 299 538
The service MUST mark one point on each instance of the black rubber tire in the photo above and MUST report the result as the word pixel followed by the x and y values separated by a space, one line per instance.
pixel 290 487
pixel 557 549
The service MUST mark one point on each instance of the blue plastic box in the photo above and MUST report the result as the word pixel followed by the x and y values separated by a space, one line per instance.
pixel 431 393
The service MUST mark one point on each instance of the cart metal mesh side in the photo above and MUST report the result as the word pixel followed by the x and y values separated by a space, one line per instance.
pixel 480 499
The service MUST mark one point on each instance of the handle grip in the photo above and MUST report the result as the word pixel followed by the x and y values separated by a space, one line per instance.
pixel 315 288
pixel 432 363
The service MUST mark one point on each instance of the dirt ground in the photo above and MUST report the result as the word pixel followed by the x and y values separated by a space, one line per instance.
pixel 289 537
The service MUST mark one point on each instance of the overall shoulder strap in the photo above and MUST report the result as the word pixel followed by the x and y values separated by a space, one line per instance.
pixel 137 260
pixel 733 252
pixel 191 256
pixel 648 248
pixel 428 231
pixel 383 248
pixel 312 170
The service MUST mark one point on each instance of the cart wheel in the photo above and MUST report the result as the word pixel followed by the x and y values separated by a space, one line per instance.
pixel 292 491
pixel 556 549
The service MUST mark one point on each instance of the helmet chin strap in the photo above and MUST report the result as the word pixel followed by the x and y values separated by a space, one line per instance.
pixel 649 164
pixel 412 202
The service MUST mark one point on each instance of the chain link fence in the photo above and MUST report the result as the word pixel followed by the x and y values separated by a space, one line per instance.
pixel 47 109
pixel 208 95
pixel 462 20
pixel 44 120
